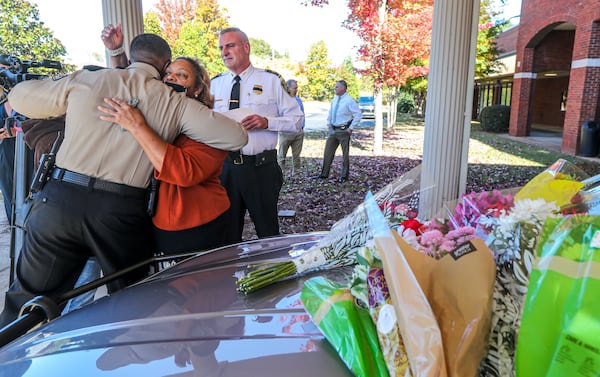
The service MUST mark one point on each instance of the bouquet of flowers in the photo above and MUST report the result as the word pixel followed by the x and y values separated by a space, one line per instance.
pixel 355 337
pixel 514 239
pixel 513 242
pixel 340 245
pixel 442 301
pixel 369 286
pixel 479 210
pixel 560 321
pixel 558 184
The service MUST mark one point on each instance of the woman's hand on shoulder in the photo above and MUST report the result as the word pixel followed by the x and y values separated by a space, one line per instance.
pixel 121 113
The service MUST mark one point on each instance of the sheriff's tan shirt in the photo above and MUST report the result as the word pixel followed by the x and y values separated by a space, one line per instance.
pixel 104 150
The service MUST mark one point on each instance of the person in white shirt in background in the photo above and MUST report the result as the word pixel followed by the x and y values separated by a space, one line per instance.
pixel 344 116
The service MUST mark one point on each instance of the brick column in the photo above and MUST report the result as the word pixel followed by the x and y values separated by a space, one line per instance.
pixel 522 93
pixel 583 102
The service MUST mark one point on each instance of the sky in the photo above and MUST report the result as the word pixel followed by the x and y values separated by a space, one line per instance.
pixel 285 24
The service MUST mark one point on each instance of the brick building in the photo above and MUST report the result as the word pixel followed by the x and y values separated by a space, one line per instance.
pixel 556 82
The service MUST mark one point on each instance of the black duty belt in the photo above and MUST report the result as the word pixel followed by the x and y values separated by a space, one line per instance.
pixel 259 159
pixel 342 126
pixel 93 183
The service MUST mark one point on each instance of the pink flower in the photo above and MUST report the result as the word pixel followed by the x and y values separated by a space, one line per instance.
pixel 437 244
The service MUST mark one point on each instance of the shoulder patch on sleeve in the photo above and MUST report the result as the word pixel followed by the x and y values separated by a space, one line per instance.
pixel 93 67
pixel 283 83
pixel 273 72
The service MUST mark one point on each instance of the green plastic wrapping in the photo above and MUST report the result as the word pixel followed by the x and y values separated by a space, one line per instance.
pixel 346 326
pixel 560 325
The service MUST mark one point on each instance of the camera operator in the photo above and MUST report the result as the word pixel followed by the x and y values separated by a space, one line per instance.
pixel 7 151
pixel 13 71
pixel 7 161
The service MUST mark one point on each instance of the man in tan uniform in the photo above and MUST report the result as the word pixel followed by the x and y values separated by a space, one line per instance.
pixel 95 201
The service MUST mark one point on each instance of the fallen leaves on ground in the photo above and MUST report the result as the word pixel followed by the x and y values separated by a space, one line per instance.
pixel 318 204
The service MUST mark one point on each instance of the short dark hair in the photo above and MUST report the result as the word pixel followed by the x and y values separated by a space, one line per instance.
pixel 151 49
pixel 344 83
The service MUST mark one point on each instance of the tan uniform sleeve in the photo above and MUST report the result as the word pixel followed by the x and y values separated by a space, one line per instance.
pixel 206 126
pixel 40 99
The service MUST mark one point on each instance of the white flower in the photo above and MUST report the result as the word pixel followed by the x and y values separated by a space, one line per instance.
pixel 409 235
pixel 519 229
pixel 528 210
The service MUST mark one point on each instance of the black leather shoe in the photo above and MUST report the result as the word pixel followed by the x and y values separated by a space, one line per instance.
pixel 342 179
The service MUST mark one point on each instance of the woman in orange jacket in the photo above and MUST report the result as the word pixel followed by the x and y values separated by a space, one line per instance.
pixel 190 213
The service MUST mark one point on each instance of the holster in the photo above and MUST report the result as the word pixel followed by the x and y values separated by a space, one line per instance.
pixel 152 196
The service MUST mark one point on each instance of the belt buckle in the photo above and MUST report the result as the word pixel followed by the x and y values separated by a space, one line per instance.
pixel 238 160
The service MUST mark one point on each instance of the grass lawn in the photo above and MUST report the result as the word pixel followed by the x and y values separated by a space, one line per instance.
pixel 494 163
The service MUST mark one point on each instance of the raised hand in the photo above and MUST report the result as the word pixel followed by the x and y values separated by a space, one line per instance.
pixel 112 36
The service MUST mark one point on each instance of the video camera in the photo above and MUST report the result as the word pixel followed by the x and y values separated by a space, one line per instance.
pixel 17 70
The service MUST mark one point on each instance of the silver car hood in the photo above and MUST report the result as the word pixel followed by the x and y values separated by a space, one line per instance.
pixel 188 320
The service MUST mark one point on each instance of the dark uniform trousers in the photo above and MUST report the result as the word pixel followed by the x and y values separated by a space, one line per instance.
pixel 339 137
pixel 69 223
pixel 254 186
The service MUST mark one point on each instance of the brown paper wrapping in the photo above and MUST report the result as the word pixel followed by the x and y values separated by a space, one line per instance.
pixel 458 292
pixel 417 323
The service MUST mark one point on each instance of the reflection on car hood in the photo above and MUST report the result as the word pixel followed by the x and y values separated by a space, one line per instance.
pixel 188 320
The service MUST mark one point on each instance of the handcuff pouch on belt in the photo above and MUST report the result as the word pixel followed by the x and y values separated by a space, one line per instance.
pixel 47 161
pixel 152 196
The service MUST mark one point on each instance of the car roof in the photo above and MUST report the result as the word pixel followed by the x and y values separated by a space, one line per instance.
pixel 188 319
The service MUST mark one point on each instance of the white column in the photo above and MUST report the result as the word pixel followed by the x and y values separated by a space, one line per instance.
pixel 129 13
pixel 449 97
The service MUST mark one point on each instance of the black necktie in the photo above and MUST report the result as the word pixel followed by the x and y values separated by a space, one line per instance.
pixel 234 100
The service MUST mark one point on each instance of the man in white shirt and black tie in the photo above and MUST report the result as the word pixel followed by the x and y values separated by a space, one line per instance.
pixel 344 116
pixel 252 175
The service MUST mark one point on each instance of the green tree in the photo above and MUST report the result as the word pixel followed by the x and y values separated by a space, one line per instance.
pixel 172 14
pixel 319 73
pixel 152 23
pixel 347 73
pixel 23 35
pixel 192 43
pixel 486 60
pixel 263 49
pixel 211 19
pixel 198 35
